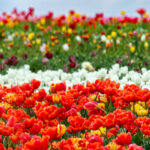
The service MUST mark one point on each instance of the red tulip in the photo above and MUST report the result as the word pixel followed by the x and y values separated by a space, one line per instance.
pixel 141 11
pixel 123 138
pixel 26 27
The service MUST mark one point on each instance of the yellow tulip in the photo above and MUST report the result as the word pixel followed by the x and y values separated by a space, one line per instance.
pixel 132 49
pixel 101 131
pixel 113 34
pixel 31 35
pixel 61 129
pixel 94 97
pixel 38 41
pixel 146 15
pixel 56 98
pixel 123 12
pixel 146 45
pixel 43 21
pixel 109 37
pixel 142 112
pixel 77 15
pixel 70 31
pixel 63 29
pixel 139 109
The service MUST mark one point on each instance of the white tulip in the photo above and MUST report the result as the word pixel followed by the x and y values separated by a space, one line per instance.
pixel 65 47
pixel 103 38
pixel 19 76
pixel 143 38
pixel 78 38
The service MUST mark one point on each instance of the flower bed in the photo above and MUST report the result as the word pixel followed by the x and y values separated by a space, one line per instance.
pixel 64 42
pixel 62 91
pixel 98 116
pixel 119 74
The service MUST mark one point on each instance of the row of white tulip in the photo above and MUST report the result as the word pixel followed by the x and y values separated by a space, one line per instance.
pixel 116 73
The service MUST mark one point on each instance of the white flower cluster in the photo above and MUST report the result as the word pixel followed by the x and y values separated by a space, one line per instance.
pixel 116 73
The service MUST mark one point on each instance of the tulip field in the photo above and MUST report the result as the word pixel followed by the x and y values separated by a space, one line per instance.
pixel 74 82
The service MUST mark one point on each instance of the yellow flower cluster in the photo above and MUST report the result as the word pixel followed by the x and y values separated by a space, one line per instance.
pixel 101 131
pixel 139 108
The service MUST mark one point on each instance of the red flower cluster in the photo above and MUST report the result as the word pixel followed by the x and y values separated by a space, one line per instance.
pixel 83 117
